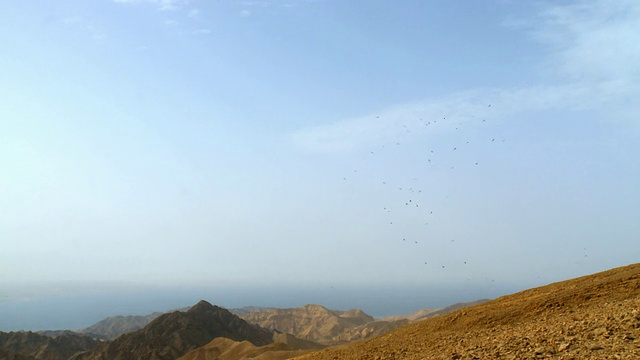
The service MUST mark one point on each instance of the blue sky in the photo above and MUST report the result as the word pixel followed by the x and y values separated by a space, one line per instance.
pixel 199 143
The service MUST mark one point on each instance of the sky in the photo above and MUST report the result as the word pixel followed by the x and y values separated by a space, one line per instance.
pixel 316 144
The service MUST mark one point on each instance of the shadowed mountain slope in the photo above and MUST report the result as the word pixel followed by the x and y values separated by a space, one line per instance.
pixel 591 317
pixel 172 335
pixel 112 327
pixel 29 345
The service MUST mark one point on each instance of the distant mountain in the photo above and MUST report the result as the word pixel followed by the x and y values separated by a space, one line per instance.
pixel 430 312
pixel 30 345
pixel 420 314
pixel 112 327
pixel 312 322
pixel 171 335
pixel 243 311
pixel 450 308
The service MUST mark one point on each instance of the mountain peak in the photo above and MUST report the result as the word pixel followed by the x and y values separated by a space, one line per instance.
pixel 201 306
pixel 171 335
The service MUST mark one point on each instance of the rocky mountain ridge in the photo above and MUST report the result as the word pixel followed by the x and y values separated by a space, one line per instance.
pixel 30 345
pixel 171 335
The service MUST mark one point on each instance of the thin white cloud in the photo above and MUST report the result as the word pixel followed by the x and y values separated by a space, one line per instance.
pixel 594 40
pixel 595 56
pixel 201 32
pixel 162 5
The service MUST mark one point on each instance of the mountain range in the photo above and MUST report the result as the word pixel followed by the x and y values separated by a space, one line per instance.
pixel 592 317
pixel 171 335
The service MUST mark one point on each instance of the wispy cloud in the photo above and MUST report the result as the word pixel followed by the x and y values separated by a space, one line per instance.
pixel 162 5
pixel 593 40
pixel 201 32
pixel 594 56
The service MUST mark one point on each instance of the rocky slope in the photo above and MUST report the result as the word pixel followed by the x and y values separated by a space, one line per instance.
pixel 369 330
pixel 172 335
pixel 420 314
pixel 311 322
pixel 29 345
pixel 591 317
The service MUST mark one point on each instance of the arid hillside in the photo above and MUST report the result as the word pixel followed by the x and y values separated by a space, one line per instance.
pixel 311 322
pixel 591 317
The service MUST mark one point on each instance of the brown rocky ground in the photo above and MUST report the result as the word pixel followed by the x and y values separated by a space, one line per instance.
pixel 591 317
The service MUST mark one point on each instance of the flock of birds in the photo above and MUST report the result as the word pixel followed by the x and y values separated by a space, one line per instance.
pixel 409 206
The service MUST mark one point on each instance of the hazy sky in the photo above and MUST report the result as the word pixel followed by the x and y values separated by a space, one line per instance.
pixel 327 143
